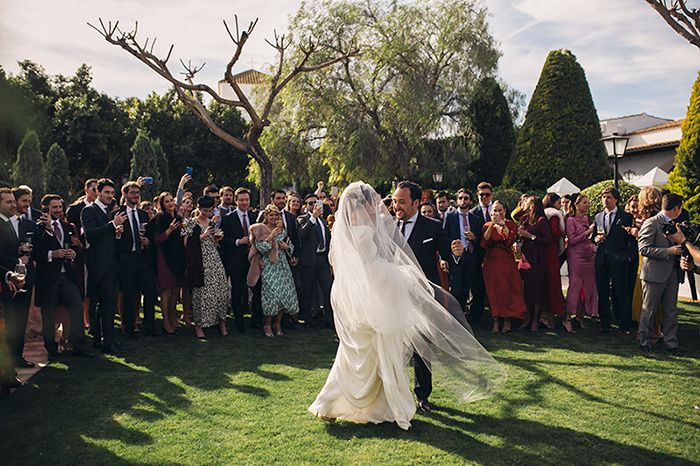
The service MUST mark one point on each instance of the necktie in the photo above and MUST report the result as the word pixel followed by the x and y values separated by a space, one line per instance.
pixel 27 215
pixel 605 223
pixel 403 227
pixel 465 223
pixel 135 230
pixel 487 215
pixel 321 241
pixel 245 223
pixel 57 233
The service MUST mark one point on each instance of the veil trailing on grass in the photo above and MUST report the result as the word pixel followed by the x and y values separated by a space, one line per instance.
pixel 380 289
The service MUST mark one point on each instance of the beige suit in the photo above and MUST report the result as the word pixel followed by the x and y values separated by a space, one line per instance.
pixel 660 275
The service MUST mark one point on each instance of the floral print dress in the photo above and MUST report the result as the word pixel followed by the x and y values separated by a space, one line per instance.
pixel 278 291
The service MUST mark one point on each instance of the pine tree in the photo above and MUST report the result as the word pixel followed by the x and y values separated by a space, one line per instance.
pixel 493 124
pixel 144 163
pixel 684 179
pixel 29 167
pixel 57 171
pixel 164 182
pixel 561 133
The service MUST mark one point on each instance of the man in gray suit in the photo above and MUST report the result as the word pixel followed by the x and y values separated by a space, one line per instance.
pixel 660 274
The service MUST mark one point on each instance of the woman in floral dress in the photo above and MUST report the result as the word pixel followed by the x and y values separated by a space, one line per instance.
pixel 278 292
pixel 205 271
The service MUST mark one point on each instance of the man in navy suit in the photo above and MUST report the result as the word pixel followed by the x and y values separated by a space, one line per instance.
pixel 459 226
pixel 235 246
pixel 55 252
pixel 482 214
pixel 101 259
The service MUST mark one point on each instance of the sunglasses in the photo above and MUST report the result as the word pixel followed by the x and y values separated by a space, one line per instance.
pixel 463 198
pixel 484 194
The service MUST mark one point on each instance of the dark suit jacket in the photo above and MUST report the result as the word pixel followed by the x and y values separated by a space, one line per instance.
pixel 309 240
pixel 126 242
pixel 235 258
pixel 478 228
pixel 427 238
pixel 619 246
pixel 8 245
pixel 47 273
pixel 452 227
pixel 73 214
pixel 99 233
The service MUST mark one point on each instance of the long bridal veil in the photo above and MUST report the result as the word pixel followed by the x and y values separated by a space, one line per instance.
pixel 379 285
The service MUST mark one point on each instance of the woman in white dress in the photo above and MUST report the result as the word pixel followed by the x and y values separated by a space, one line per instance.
pixel 385 310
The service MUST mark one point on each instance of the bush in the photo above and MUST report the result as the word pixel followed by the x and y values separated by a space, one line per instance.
pixel 509 196
pixel 595 191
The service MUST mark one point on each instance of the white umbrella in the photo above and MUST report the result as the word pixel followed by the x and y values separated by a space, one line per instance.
pixel 563 186
pixel 654 177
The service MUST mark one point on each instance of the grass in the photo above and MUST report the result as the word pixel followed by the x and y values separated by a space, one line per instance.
pixel 570 399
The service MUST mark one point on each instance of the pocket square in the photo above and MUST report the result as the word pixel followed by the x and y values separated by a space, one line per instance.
pixel 427 240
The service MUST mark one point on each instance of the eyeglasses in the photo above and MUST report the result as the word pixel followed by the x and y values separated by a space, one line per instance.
pixel 484 194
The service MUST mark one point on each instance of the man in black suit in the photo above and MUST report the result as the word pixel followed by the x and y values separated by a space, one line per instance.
pixel 55 253
pixel 234 247
pixel 314 238
pixel 100 234
pixel 9 284
pixel 426 238
pixel 23 197
pixel 614 256
pixel 459 225
pixel 136 273
pixel 15 249
pixel 482 213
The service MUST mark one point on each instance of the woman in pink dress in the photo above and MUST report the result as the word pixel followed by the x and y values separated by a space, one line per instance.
pixel 581 260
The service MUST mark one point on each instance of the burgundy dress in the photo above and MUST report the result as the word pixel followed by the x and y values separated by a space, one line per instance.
pixel 555 297
pixel 501 279
pixel 535 252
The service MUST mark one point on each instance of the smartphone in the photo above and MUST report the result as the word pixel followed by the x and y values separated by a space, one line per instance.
pixel 319 203
pixel 189 171
pixel 147 180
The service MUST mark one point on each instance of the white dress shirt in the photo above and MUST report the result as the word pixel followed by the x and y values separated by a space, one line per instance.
pixel 129 211
pixel 409 224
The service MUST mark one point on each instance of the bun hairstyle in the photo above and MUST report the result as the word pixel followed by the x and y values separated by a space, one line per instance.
pixel 205 202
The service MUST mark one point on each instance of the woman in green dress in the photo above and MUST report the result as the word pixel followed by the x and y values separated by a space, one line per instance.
pixel 271 242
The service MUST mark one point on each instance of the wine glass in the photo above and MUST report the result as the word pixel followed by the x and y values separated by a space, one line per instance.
pixel 21 271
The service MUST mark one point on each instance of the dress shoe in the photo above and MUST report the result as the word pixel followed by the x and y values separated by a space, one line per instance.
pixel 82 353
pixel 110 349
pixel 24 364
pixel 674 352
pixel 424 406
pixel 646 349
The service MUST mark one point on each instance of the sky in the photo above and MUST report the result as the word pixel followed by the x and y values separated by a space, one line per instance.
pixel 634 62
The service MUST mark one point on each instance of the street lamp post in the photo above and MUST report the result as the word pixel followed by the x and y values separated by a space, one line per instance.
pixel 615 146
pixel 437 179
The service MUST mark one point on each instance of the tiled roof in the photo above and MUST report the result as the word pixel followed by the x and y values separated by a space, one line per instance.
pixel 635 115
pixel 251 77
pixel 656 145
pixel 670 124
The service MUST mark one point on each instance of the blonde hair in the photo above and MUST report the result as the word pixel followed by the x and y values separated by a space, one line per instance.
pixel 649 202
pixel 268 209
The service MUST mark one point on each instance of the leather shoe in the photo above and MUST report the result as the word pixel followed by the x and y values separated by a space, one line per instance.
pixel 674 352
pixel 24 364
pixel 424 406
pixel 14 382
pixel 110 349
pixel 646 349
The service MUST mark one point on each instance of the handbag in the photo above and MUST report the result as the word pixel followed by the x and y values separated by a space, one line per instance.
pixel 523 264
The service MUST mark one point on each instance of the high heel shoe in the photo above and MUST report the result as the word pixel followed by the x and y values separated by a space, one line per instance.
pixel 569 328
pixel 278 330
pixel 267 329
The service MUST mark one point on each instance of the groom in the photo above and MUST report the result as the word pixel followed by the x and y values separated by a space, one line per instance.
pixel 426 238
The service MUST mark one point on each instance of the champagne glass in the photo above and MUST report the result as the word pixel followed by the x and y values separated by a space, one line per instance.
pixel 21 271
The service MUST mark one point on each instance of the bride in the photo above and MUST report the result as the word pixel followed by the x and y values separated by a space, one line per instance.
pixel 385 310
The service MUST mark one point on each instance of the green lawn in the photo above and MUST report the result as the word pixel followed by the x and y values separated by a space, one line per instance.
pixel 581 399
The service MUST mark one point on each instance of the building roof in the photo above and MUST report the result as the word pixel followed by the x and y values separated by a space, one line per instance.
pixel 656 145
pixel 251 77
pixel 643 114
pixel 670 124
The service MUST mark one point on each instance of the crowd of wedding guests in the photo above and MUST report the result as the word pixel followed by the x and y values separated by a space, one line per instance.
pixel 113 253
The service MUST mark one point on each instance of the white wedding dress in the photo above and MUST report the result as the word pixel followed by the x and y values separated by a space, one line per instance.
pixel 385 310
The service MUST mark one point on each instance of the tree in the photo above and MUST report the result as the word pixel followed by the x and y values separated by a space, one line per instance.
pixel 144 162
pixel 387 113
pixel 682 19
pixel 491 118
pixel 29 166
pixel 561 133
pixel 684 179
pixel 163 165
pixel 189 92
pixel 57 172
pixel 595 192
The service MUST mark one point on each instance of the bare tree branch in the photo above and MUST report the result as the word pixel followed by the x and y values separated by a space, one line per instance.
pixel 682 19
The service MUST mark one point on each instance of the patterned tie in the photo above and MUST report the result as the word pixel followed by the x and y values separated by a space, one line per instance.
pixel 57 232
pixel 465 223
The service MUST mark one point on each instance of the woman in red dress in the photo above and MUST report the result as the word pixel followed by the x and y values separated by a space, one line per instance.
pixel 501 278
pixel 554 304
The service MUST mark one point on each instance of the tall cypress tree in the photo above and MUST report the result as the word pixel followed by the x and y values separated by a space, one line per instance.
pixel 685 177
pixel 57 171
pixel 493 124
pixel 144 163
pixel 164 182
pixel 29 166
pixel 561 133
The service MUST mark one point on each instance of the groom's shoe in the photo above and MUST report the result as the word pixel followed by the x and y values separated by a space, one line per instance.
pixel 424 406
